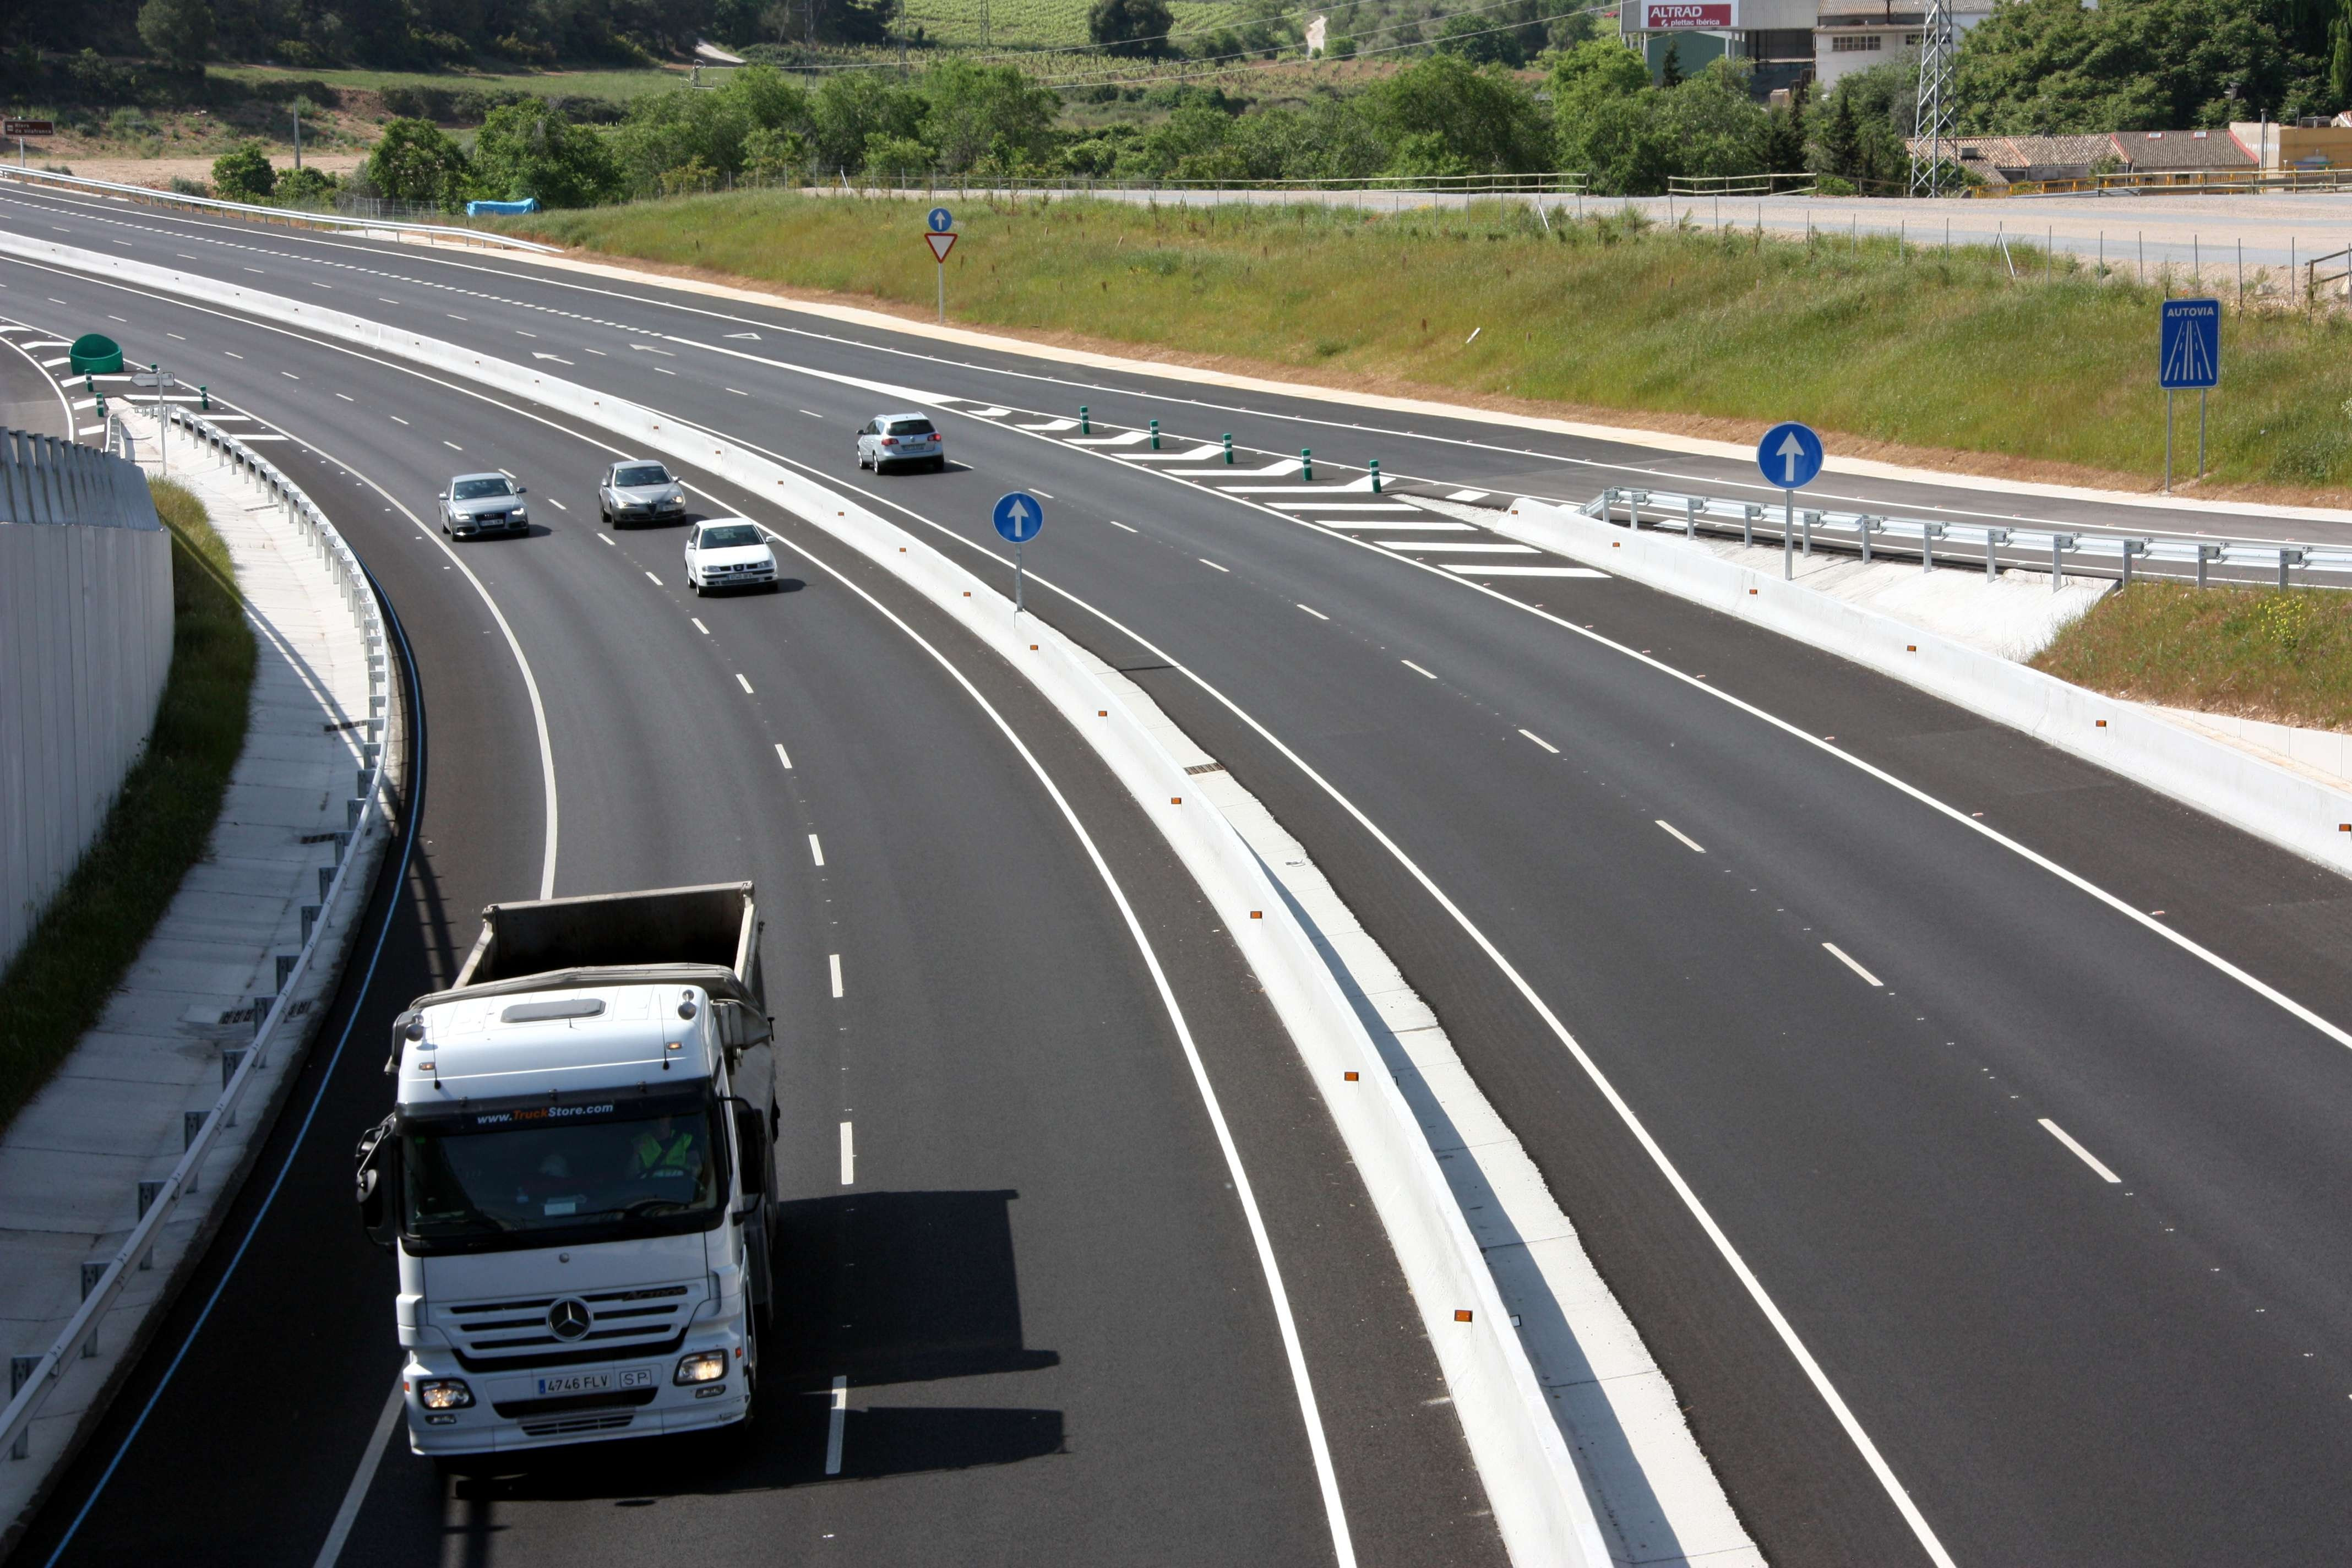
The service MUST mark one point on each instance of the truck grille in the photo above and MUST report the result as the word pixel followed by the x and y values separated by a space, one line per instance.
pixel 518 1332
pixel 564 1425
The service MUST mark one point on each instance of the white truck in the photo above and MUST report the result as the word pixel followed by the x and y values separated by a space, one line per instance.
pixel 576 1176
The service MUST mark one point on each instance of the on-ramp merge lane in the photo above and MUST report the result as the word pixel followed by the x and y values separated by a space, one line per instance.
pixel 1056 1332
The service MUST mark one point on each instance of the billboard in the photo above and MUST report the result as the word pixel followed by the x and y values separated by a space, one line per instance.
pixel 1664 16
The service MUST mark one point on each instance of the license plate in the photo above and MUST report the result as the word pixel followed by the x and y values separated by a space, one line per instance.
pixel 594 1382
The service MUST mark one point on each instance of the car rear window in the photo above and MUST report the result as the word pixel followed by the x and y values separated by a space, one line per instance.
pixel 912 427
pixel 643 474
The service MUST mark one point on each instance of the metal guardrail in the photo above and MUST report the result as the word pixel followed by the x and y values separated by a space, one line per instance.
pixel 2210 182
pixel 32 1379
pixel 1795 185
pixel 933 186
pixel 292 216
pixel 47 479
pixel 1968 543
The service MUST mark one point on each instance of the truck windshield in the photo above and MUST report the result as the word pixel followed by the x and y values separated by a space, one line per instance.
pixel 603 1172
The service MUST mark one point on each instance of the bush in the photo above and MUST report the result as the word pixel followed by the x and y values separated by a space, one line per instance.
pixel 416 162
pixel 243 173
pixel 306 187
pixel 530 151
pixel 182 187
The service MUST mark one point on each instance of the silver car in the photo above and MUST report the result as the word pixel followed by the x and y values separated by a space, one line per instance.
pixel 901 441
pixel 483 503
pixel 637 490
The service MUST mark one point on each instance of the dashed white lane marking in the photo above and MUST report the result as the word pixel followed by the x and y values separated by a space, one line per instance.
pixel 811 414
pixel 1548 746
pixel 1415 668
pixel 453 315
pixel 381 300
pixel 1213 565
pixel 835 959
pixel 395 418
pixel 347 397
pixel 695 620
pixel 2080 1153
pixel 654 580
pixel 833 1425
pixel 784 756
pixel 602 540
pixel 451 444
pixel 1697 847
pixel 1841 955
pixel 816 850
pixel 739 392
pixel 232 353
pixel 521 333
pixel 743 683
pixel 848 1158
pixel 557 504
pixel 1316 613
pixel 1116 523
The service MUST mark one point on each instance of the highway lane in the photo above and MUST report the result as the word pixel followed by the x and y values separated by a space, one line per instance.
pixel 1968 1309
pixel 1059 1317
pixel 497 296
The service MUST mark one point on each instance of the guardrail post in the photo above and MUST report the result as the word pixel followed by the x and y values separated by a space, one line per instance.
pixel 2287 558
pixel 147 1193
pixel 1635 501
pixel 91 1273
pixel 191 1122
pixel 1993 536
pixel 1690 517
pixel 232 1059
pixel 2139 547
pixel 310 923
pixel 286 963
pixel 1749 512
pixel 1928 534
pixel 20 1372
pixel 2059 544
pixel 1866 522
pixel 2206 554
pixel 326 881
pixel 1807 521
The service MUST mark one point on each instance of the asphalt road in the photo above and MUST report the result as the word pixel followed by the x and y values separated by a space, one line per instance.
pixel 1888 991
pixel 1060 1340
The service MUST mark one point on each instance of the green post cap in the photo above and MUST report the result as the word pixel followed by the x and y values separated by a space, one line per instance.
pixel 94 353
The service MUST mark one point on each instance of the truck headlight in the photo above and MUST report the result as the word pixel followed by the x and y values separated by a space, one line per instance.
pixel 703 1366
pixel 445 1394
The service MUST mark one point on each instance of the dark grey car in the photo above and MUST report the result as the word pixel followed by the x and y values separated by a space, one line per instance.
pixel 483 503
pixel 638 490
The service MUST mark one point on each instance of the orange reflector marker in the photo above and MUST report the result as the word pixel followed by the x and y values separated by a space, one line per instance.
pixel 1910 648
pixel 1751 593
pixel 1349 1077
pixel 1033 648
pixel 1175 800
pixel 1257 914
pixel 1460 1314
pixel 2102 723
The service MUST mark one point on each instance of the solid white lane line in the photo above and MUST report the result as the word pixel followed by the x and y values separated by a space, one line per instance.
pixel 1116 523
pixel 1213 566
pixel 697 620
pixel 1835 951
pixel 848 1158
pixel 2080 1153
pixel 1316 613
pixel 1695 846
pixel 833 1423
pixel 784 756
pixel 1548 746
pixel 1415 668
pixel 743 683
pixel 834 961
pixel 816 850
pixel 332 1548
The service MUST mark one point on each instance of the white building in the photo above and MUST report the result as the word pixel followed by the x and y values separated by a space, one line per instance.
pixel 1786 41
pixel 1855 35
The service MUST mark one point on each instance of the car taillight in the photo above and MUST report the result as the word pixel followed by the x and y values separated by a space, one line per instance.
pixel 890 440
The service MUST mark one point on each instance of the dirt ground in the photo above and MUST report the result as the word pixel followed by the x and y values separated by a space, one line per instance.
pixel 158 173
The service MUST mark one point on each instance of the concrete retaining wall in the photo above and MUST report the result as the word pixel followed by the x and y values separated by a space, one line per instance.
pixel 85 646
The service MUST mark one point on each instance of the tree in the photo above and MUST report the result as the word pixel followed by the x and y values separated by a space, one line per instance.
pixel 305 186
pixel 530 149
pixel 2057 67
pixel 975 109
pixel 244 174
pixel 416 162
pixel 1837 146
pixel 2339 58
pixel 1604 118
pixel 180 31
pixel 1784 136
pixel 1477 37
pixel 1479 115
pixel 1712 123
pixel 1132 28
pixel 1670 73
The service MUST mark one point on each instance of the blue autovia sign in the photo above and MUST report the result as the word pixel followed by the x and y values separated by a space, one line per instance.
pixel 1790 455
pixel 1019 518
pixel 940 219
pixel 2189 345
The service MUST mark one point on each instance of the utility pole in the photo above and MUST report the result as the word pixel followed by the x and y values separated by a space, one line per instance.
pixel 1934 118
pixel 297 135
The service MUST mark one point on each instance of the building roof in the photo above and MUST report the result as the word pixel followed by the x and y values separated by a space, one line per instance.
pixel 2181 150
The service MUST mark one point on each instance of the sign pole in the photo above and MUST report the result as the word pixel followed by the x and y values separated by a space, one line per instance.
pixel 1017 605
pixel 2168 442
pixel 1788 536
pixel 2201 435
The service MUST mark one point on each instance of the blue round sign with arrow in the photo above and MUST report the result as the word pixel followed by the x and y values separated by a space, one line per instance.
pixel 1790 455
pixel 940 219
pixel 1019 518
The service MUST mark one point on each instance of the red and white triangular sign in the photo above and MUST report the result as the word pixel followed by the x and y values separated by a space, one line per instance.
pixel 941 245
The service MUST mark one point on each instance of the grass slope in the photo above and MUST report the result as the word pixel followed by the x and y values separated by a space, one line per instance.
pixel 620 86
pixel 1930 352
pixel 2253 653
pixel 60 980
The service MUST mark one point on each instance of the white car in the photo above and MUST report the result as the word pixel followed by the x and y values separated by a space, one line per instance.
pixel 901 441
pixel 728 552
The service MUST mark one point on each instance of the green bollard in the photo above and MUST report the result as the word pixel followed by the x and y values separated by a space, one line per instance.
pixel 1376 476
pixel 206 393
pixel 1307 464
pixel 1229 448
pixel 1086 427
pixel 1155 434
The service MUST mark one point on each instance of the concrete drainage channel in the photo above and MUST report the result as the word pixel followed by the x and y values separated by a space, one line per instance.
pixel 1540 1503
pixel 57 1395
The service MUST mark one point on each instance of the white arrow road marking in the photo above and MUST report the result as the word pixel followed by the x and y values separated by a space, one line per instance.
pixel 648 349
pixel 557 358
pixel 753 336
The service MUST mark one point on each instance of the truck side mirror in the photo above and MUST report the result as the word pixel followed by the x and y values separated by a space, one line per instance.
pixel 740 1028
pixel 376 1160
